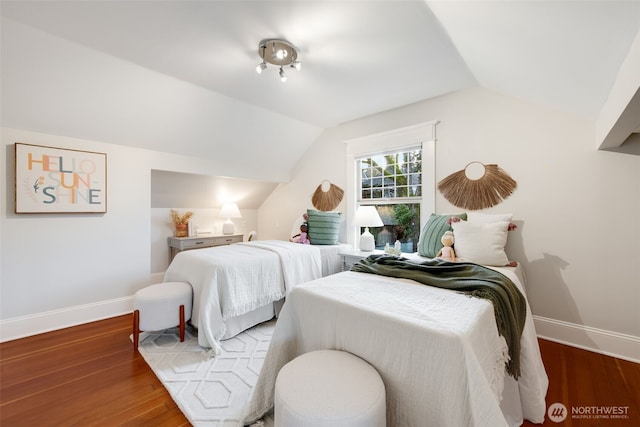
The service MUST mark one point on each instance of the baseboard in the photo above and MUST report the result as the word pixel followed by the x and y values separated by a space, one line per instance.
pixel 609 343
pixel 24 326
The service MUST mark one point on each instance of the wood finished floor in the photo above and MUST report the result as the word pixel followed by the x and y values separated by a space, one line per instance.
pixel 89 375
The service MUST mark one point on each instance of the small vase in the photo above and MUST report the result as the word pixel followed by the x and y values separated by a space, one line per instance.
pixel 181 230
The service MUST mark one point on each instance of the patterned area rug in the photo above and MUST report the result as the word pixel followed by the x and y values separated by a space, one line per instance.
pixel 210 391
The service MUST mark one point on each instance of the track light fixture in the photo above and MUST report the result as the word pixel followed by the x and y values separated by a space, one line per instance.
pixel 280 53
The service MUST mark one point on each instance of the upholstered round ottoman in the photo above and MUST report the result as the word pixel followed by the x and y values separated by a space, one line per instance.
pixel 329 388
pixel 161 306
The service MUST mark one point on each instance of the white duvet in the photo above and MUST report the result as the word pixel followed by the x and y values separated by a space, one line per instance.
pixel 233 280
pixel 437 351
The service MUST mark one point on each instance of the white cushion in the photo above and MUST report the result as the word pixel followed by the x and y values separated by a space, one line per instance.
pixel 159 305
pixel 329 388
pixel 482 243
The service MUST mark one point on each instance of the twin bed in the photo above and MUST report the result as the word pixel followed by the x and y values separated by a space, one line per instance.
pixel 238 286
pixel 439 353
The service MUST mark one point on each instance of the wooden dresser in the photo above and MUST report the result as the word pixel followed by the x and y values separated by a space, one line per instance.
pixel 179 244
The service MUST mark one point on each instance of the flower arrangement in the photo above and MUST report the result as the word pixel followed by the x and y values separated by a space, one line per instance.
pixel 181 223
pixel 180 219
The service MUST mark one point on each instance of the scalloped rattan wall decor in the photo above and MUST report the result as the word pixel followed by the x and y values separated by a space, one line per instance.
pixel 329 199
pixel 488 190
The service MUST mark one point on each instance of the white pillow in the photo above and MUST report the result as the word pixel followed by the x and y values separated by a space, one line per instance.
pixel 484 218
pixel 482 243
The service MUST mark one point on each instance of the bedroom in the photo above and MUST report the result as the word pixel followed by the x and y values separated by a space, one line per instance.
pixel 579 234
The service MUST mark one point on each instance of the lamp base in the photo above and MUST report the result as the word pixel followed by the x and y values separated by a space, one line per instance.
pixel 227 227
pixel 367 242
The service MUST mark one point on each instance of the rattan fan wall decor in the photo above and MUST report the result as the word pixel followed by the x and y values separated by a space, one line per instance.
pixel 327 199
pixel 491 188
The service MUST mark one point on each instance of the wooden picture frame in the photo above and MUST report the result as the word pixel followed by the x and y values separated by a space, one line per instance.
pixel 59 180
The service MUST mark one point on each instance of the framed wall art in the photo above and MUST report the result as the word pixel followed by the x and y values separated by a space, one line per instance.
pixel 59 180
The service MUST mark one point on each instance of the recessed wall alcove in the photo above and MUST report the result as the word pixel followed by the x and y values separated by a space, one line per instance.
pixel 203 195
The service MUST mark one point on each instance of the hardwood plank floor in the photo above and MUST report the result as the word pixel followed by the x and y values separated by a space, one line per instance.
pixel 89 375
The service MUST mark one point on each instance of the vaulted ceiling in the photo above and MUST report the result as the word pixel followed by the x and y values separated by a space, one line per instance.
pixel 359 57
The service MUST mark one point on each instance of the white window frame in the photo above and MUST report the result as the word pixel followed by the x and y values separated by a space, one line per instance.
pixel 423 134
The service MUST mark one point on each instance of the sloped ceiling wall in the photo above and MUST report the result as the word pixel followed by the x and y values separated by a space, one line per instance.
pixel 54 86
pixel 171 189
pixel 179 76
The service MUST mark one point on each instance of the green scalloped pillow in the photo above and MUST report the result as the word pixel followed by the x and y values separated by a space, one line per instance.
pixel 324 227
pixel 429 243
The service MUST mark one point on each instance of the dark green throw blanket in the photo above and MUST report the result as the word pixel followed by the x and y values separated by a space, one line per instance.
pixel 476 280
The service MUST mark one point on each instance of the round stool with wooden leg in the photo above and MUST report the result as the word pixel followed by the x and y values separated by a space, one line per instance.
pixel 161 306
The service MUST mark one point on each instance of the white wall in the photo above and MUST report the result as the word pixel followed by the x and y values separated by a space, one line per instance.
pixel 576 207
pixel 620 114
pixel 58 270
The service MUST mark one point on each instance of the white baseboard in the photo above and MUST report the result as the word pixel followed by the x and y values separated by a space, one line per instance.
pixel 24 326
pixel 609 343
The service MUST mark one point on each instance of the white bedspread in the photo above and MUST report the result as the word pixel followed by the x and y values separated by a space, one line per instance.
pixel 232 280
pixel 438 352
pixel 300 263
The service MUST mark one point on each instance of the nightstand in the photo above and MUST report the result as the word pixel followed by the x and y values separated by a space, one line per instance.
pixel 179 244
pixel 351 257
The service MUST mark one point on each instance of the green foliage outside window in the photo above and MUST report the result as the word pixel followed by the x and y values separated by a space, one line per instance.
pixel 393 182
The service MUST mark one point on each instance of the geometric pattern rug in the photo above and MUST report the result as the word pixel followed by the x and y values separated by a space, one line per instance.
pixel 210 391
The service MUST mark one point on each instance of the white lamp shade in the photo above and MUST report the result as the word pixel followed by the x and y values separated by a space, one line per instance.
pixel 229 210
pixel 367 216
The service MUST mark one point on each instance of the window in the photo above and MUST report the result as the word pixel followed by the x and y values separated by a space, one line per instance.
pixel 395 172
pixel 392 182
pixel 395 175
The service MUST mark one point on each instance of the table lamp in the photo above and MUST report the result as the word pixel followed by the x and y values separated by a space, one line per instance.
pixel 229 210
pixel 367 216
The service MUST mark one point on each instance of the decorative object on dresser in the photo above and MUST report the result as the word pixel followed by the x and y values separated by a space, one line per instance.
pixel 477 186
pixel 179 244
pixel 229 211
pixel 181 223
pixel 367 216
